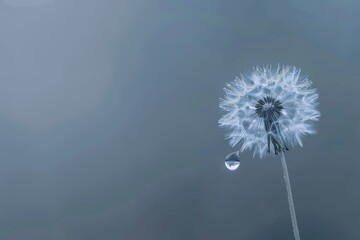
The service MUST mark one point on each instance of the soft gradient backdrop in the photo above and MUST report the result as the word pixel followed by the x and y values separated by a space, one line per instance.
pixel 109 110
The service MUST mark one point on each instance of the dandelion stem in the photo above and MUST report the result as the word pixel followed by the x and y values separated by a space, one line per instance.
pixel 290 197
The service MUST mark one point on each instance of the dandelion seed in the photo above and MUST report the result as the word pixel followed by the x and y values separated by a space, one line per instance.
pixel 268 111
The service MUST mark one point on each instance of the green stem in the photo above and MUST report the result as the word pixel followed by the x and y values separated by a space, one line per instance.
pixel 290 197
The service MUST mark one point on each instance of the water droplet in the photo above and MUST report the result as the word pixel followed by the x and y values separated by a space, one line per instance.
pixel 232 161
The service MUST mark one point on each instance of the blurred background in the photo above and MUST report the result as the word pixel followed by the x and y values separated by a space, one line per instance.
pixel 109 110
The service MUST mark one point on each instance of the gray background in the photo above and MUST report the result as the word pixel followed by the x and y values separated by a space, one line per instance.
pixel 109 110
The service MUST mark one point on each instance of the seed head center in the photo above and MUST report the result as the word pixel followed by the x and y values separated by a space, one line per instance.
pixel 268 107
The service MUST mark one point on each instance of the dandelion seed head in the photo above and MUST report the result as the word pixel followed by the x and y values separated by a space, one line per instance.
pixel 269 109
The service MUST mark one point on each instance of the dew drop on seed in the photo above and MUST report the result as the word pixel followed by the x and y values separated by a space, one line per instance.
pixel 232 161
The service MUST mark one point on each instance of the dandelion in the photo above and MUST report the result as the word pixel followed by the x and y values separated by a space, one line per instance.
pixel 269 111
